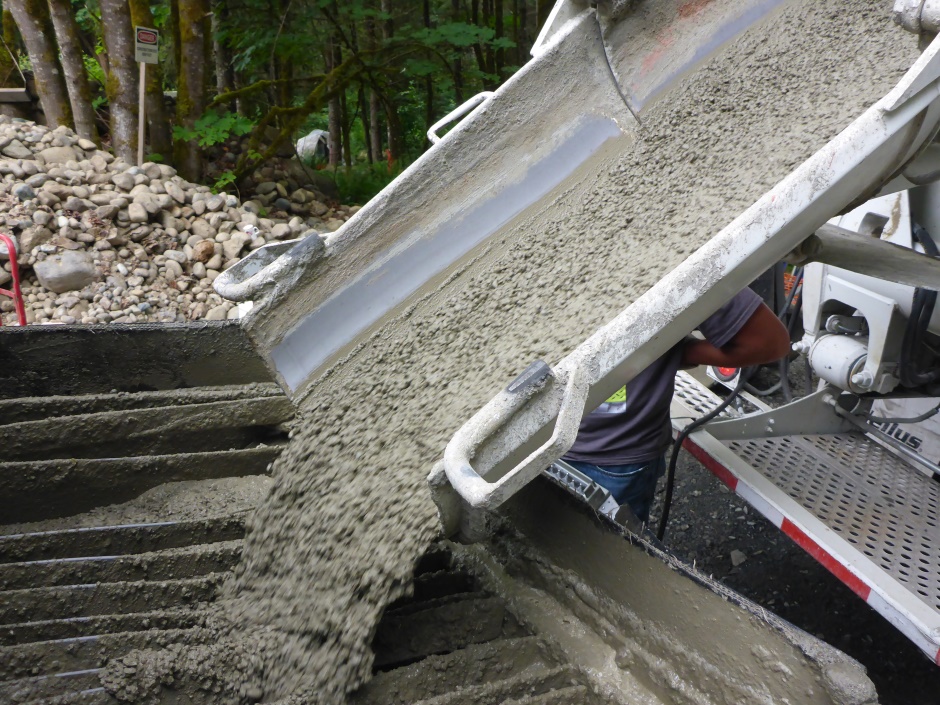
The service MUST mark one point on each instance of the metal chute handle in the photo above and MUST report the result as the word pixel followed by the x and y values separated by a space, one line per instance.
pixel 457 113
pixel 492 418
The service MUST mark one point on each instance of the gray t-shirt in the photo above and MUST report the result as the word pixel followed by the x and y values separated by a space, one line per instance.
pixel 633 425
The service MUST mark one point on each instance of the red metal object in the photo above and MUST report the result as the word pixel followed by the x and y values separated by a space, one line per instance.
pixel 15 294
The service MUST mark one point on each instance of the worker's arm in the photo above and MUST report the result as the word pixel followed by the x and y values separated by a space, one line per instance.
pixel 762 339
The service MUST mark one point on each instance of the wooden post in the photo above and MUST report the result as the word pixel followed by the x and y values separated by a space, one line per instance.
pixel 141 114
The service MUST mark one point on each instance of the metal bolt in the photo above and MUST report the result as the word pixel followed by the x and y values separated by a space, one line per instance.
pixel 863 379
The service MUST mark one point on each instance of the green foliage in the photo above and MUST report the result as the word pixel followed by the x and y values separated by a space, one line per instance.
pixel 456 34
pixel 360 183
pixel 226 178
pixel 94 70
pixel 214 127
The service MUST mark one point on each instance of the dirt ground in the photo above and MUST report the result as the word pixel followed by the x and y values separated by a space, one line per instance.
pixel 707 522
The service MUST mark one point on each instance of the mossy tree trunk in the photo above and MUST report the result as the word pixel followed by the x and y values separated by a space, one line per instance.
pixel 158 118
pixel 375 102
pixel 192 81
pixel 224 73
pixel 121 85
pixel 35 25
pixel 10 76
pixel 392 121
pixel 76 80
pixel 457 16
pixel 334 58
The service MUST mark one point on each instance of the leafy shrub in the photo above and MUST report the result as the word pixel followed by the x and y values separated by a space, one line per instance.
pixel 360 183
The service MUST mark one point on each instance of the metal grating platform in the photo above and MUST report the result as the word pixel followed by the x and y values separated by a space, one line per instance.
pixel 876 502
pixel 863 512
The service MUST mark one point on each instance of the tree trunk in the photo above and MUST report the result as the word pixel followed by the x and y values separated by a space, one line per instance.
pixel 524 45
pixel 172 68
pixel 375 124
pixel 334 109
pixel 9 73
pixel 374 131
pixel 392 120
pixel 428 81
pixel 500 33
pixel 490 57
pixel 158 117
pixel 122 81
pixel 458 63
pixel 345 129
pixel 477 47
pixel 366 118
pixel 66 32
pixel 394 131
pixel 192 82
pixel 224 75
pixel 32 18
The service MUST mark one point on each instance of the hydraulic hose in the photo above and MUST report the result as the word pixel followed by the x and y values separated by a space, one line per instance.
pixel 685 433
pixel 742 384
pixel 922 309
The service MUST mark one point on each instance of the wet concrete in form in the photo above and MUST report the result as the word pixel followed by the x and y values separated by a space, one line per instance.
pixel 124 514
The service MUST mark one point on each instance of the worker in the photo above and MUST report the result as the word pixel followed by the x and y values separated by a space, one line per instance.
pixel 621 445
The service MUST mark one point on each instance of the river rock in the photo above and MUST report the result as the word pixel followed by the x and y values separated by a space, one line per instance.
pixel 17 150
pixel 233 247
pixel 66 271
pixel 203 251
pixel 217 313
pixel 42 217
pixel 281 230
pixel 59 155
pixel 124 181
pixel 137 213
pixel 175 192
pixel 24 192
pixel 34 237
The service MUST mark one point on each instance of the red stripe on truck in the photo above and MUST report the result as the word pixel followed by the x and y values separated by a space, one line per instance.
pixel 854 583
pixel 716 468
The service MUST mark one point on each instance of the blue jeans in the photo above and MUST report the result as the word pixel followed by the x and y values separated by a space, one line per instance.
pixel 633 484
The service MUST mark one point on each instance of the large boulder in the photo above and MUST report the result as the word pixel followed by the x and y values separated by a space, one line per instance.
pixel 70 270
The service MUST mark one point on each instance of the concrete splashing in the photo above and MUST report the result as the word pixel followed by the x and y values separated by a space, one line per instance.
pixel 349 511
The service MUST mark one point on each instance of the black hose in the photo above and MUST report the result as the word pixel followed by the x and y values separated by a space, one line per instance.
pixel 789 318
pixel 674 458
pixel 922 308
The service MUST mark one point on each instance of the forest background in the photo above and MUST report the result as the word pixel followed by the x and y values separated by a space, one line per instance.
pixel 374 74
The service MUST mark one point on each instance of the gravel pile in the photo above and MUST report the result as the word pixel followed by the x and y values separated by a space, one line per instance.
pixel 101 241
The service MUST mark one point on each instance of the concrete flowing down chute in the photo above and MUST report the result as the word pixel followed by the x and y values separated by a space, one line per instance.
pixel 594 75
